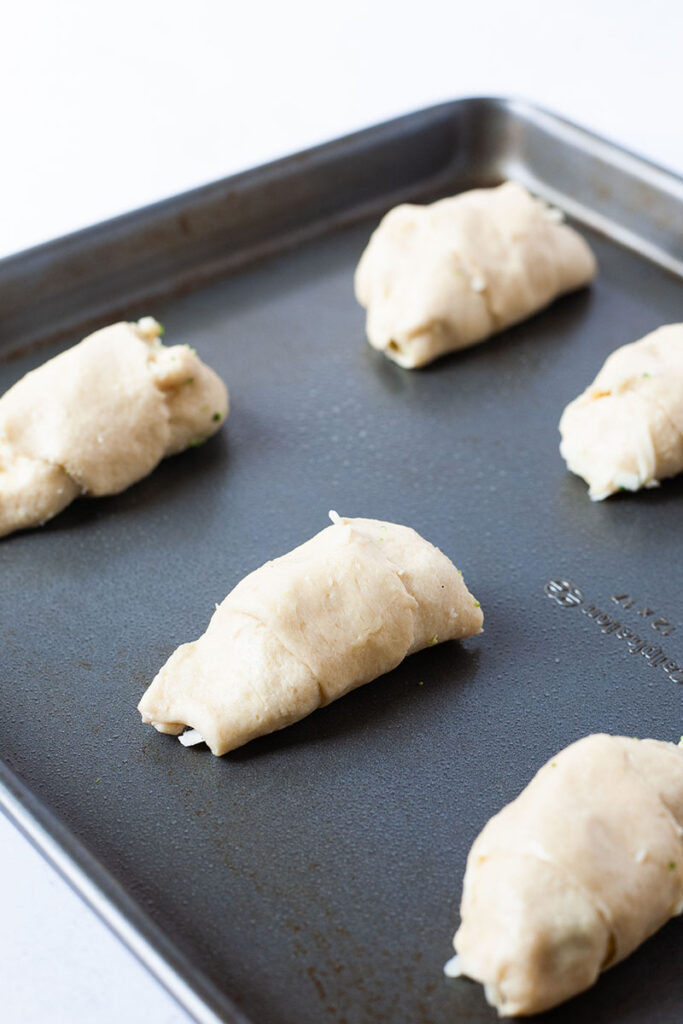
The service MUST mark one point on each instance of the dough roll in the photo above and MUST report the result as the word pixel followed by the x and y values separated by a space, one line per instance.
pixel 99 417
pixel 345 607
pixel 441 277
pixel 574 874
pixel 626 430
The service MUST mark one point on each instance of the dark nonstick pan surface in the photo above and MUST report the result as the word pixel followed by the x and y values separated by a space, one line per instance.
pixel 315 874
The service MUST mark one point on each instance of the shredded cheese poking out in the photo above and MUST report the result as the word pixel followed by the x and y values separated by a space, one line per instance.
pixel 552 213
pixel 334 516
pixel 190 738
pixel 452 968
pixel 149 327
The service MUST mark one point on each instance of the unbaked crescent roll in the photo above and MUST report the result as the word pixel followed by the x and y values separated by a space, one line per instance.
pixel 304 629
pixel 626 430
pixel 441 277
pixel 574 874
pixel 99 417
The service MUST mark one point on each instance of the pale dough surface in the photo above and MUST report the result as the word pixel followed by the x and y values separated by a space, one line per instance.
pixel 626 430
pixel 574 874
pixel 345 607
pixel 441 277
pixel 100 416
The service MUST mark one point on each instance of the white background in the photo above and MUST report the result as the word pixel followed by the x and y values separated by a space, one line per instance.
pixel 105 107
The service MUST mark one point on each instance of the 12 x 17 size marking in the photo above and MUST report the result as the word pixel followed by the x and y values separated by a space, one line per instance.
pixel 568 595
pixel 662 625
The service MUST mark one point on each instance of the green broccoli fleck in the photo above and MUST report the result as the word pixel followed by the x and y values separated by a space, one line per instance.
pixel 216 417
pixel 189 380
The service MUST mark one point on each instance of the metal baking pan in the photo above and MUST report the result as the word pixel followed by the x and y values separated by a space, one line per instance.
pixel 315 874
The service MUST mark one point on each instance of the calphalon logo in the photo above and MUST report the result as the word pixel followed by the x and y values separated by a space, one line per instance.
pixel 568 595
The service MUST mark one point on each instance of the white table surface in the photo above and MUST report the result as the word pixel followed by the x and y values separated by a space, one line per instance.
pixel 109 107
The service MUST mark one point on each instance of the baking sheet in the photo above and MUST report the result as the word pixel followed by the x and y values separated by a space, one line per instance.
pixel 315 874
